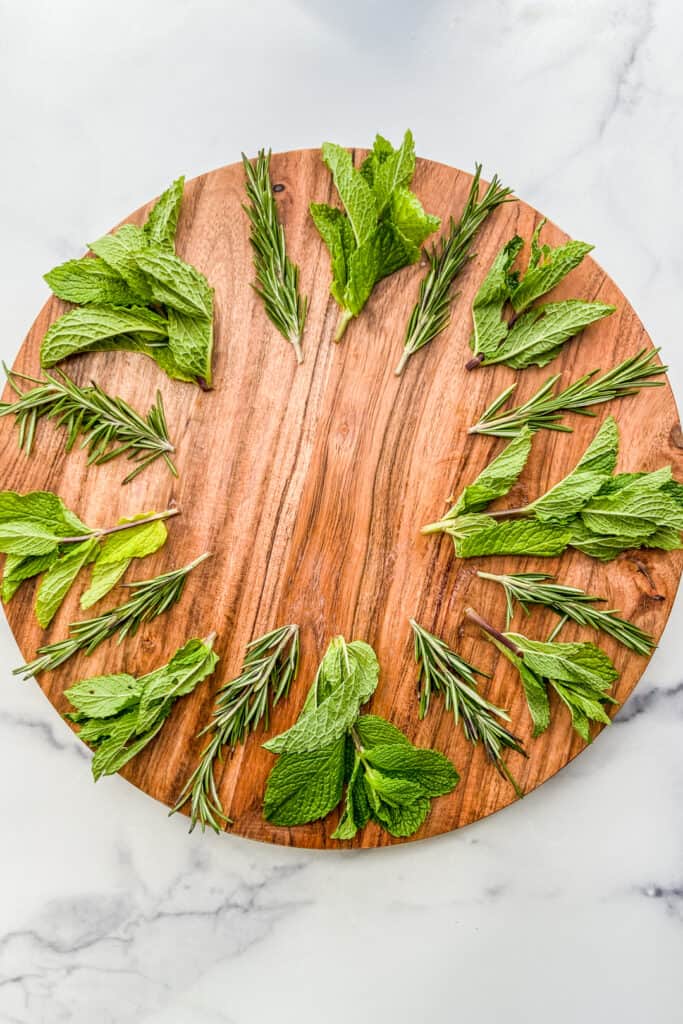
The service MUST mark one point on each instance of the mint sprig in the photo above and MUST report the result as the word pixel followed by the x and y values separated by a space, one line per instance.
pixel 382 226
pixel 533 334
pixel 332 745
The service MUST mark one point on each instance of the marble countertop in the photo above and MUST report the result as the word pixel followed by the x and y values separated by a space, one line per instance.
pixel 568 906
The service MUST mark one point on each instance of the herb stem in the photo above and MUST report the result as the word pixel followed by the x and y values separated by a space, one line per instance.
pixel 474 362
pixel 476 618
pixel 343 322
pixel 121 526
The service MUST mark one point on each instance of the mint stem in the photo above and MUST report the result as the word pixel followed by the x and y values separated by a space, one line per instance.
pixel 344 321
pixel 121 526
pixel 475 361
pixel 492 631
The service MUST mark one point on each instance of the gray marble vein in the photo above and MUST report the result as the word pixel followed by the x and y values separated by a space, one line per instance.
pixel 568 906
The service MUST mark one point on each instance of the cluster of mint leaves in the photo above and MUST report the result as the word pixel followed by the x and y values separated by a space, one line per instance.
pixel 41 536
pixel 592 509
pixel 332 746
pixel 382 226
pixel 536 333
pixel 118 715
pixel 135 293
pixel 580 673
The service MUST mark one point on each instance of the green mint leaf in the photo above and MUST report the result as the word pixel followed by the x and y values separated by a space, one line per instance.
pixel 636 509
pixel 490 330
pixel 547 267
pixel 374 731
pixel 117 551
pixel 114 753
pixel 23 567
pixel 337 234
pixel 119 251
pixel 57 581
pixel 174 283
pixel 188 667
pixel 568 662
pixel 537 336
pixel 498 477
pixel 84 329
pixel 403 820
pixel 190 340
pixel 340 692
pixel 32 524
pixel 412 223
pixel 601 454
pixel 90 282
pixel 162 221
pixel 386 168
pixel 563 501
pixel 354 191
pixel 516 537
pixel 305 786
pixel 536 697
pixel 429 770
pixel 104 696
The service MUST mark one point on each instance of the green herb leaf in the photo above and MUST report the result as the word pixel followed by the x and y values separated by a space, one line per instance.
pixel 305 786
pixel 516 537
pixel 347 678
pixel 119 251
pixel 547 267
pixel 498 477
pixel 57 581
pixel 34 523
pixel 174 283
pixel 117 552
pixel 84 328
pixel 90 281
pixel 23 567
pixel 190 342
pixel 162 222
pixel 104 696
pixel 537 336
pixel 490 330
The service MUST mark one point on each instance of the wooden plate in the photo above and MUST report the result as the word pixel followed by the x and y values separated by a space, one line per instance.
pixel 310 484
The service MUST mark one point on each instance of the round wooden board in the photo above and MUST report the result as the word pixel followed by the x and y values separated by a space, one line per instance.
pixel 309 485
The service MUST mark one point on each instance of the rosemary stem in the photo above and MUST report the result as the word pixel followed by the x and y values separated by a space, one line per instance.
pixel 296 344
pixel 476 618
pixel 402 362
pixel 121 526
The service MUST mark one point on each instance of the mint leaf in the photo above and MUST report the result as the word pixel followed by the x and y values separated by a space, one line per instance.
pixel 537 336
pixel 119 251
pixel 57 581
pixel 103 696
pixel 117 551
pixel 306 786
pixel 403 820
pixel 90 281
pixel 490 330
pixel 174 283
pixel 23 567
pixel 354 191
pixel 337 234
pixel 162 221
pixel 570 662
pixel 85 328
pixel 32 524
pixel 386 168
pixel 498 477
pixel 341 689
pixel 412 225
pixel 429 770
pixel 547 267
pixel 516 537
pixel 374 731
pixel 190 341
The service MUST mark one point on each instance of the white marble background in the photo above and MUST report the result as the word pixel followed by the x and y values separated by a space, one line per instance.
pixel 568 907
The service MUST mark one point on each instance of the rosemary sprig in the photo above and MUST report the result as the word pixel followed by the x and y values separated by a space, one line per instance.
pixel 278 277
pixel 543 411
pixel 570 603
pixel 102 421
pixel 431 313
pixel 149 599
pixel 444 671
pixel 270 665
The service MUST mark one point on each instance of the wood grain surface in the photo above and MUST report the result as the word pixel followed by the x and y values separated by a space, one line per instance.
pixel 309 485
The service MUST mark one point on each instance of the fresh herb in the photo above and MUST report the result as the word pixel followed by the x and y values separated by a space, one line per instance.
pixel 37 535
pixel 579 673
pixel 443 671
pixel 91 413
pixel 382 226
pixel 387 779
pixel 137 295
pixel 149 599
pixel 268 670
pixel 431 313
pixel 590 509
pixel 118 715
pixel 543 411
pixel 534 335
pixel 277 276
pixel 570 603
